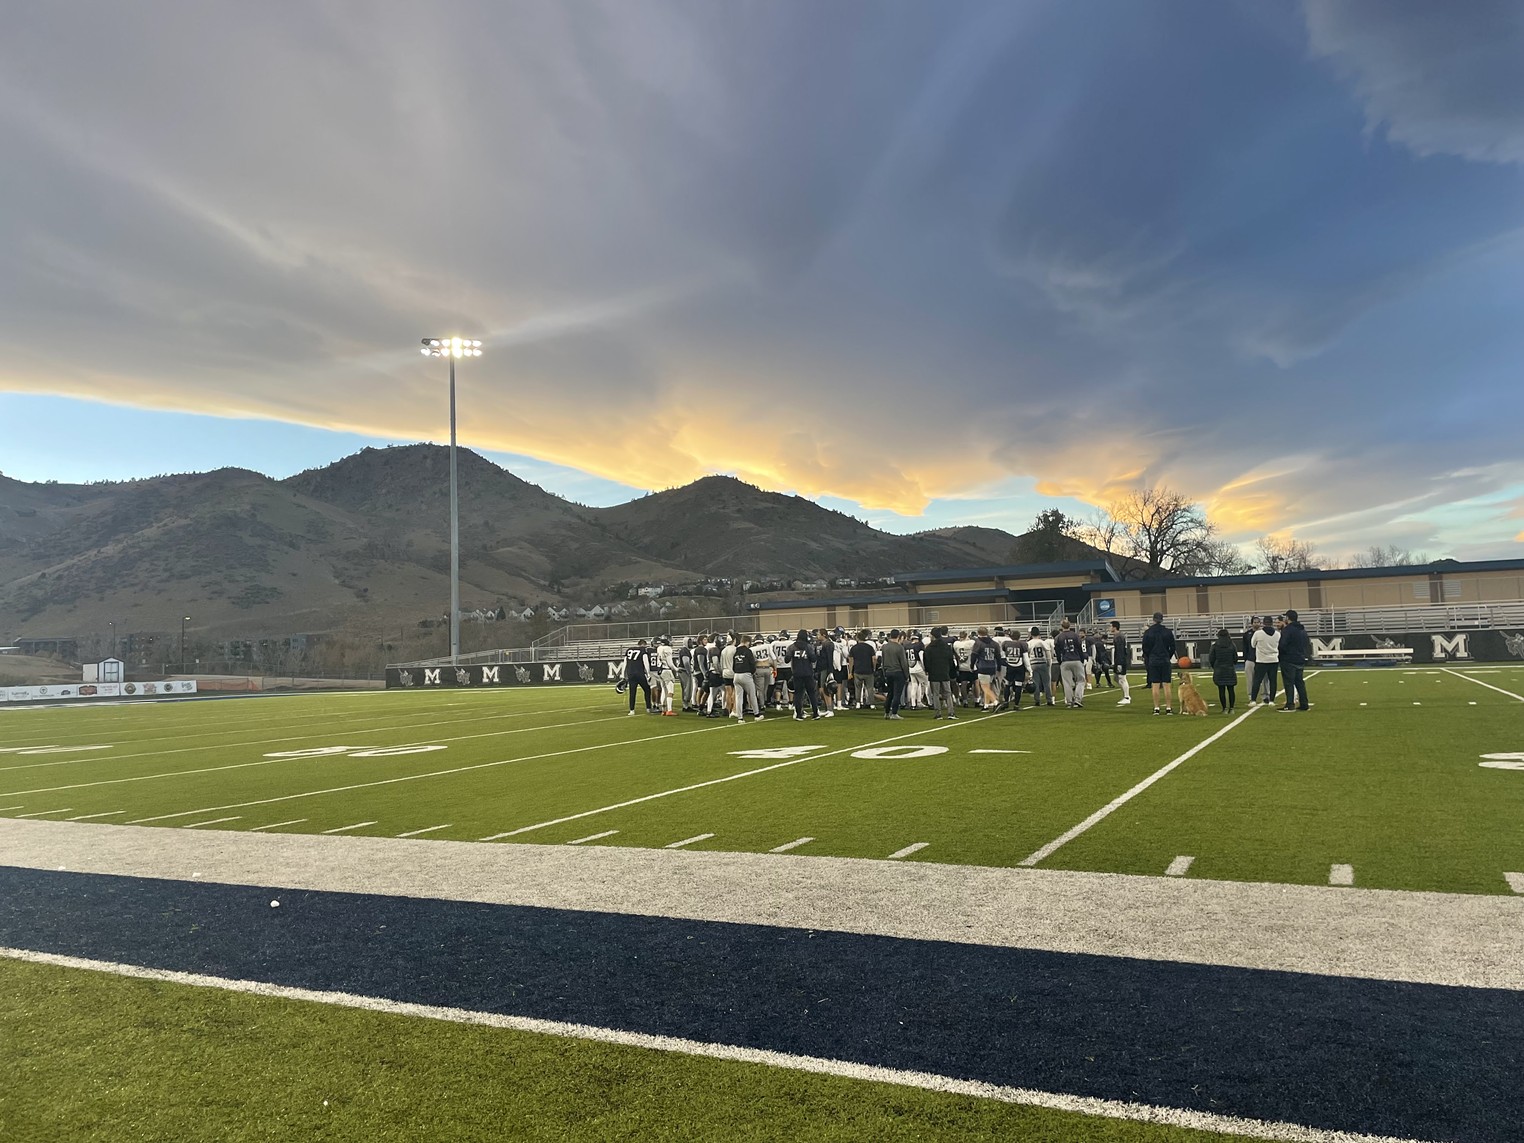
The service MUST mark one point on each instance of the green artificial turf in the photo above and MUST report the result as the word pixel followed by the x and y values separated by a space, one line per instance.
pixel 1382 774
pixel 88 1056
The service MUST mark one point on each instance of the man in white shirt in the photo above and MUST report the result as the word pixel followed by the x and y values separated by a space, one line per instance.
pixel 1267 659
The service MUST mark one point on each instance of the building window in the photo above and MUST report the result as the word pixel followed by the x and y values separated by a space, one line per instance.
pixel 1203 600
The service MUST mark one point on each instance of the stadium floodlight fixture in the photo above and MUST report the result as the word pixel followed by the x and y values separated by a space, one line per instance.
pixel 452 348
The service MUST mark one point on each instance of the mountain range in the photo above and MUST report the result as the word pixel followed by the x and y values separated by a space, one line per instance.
pixel 364 543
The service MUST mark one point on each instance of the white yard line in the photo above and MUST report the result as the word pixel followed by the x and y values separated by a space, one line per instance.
pixel 730 778
pixel 40 813
pixel 277 761
pixel 594 836
pixel 214 821
pixel 1179 867
pixel 1341 874
pixel 1116 803
pixel 1085 1105
pixel 1479 683
pixel 430 829
pixel 426 774
pixel 107 814
pixel 688 841
pixel 346 829
pixel 277 825
pixel 914 847
pixel 788 845
pixel 1515 881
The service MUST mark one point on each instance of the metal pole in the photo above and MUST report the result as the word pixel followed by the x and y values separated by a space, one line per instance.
pixel 182 646
pixel 454 534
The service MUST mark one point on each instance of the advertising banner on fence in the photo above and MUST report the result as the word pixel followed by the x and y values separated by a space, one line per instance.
pixel 1447 648
pixel 56 692
pixel 506 675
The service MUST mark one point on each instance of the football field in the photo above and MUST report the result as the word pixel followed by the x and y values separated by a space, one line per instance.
pixel 550 823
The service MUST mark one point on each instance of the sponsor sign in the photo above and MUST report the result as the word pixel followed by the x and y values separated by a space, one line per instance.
pixel 505 675
pixel 71 691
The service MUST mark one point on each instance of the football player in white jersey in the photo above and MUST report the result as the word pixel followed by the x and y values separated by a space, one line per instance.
pixel 666 671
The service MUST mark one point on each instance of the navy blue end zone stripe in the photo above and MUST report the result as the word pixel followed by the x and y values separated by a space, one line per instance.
pixel 1387 1058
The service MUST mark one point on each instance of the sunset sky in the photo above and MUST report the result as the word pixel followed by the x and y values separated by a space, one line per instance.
pixel 928 263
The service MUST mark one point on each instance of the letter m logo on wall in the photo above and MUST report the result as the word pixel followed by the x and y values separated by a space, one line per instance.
pixel 1321 647
pixel 616 671
pixel 1452 646
pixel 552 673
pixel 489 675
pixel 431 676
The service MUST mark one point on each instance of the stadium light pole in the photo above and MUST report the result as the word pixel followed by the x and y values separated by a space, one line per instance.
pixel 184 619
pixel 453 347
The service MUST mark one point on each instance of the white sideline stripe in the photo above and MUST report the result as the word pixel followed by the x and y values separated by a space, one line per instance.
pixel 1116 803
pixel 1057 1101
pixel 343 829
pixel 87 817
pixel 688 841
pixel 594 836
pixel 7 809
pixel 39 813
pixel 1179 866
pixel 431 829
pixel 1341 874
pixel 914 847
pixel 214 821
pixel 788 845
pixel 426 774
pixel 277 825
pixel 720 781
pixel 1515 881
pixel 1479 683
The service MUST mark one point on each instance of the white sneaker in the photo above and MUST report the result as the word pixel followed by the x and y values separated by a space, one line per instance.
pixel 761 718
pixel 828 714
pixel 632 714
pixel 1124 702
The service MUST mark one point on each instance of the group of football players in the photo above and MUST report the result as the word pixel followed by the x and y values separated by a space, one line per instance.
pixel 816 673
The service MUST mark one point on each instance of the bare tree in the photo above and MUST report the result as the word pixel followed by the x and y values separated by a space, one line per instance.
pixel 1158 531
pixel 1286 555
pixel 1390 556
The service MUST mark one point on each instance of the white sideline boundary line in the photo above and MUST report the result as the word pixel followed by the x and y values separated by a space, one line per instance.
pixel 1116 803
pixel 1341 874
pixel 727 778
pixel 88 817
pixel 1515 881
pixel 277 825
pixel 1179 867
pixel 913 847
pixel 425 774
pixel 1278 1132
pixel 214 821
pixel 1479 683
pixel 345 829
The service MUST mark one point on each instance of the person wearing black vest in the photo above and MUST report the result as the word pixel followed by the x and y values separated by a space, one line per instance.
pixel 1250 674
pixel 743 676
pixel 1069 647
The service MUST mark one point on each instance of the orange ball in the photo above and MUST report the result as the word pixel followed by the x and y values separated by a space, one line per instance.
pixel 1185 661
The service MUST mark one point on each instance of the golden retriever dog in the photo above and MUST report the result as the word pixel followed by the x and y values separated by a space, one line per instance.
pixel 1191 701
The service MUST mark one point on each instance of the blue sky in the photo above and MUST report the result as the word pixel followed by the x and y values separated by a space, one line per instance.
pixel 929 264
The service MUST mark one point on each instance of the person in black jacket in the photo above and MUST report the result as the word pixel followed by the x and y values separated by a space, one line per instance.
pixel 1159 659
pixel 1223 659
pixel 801 657
pixel 941 668
pixel 1296 650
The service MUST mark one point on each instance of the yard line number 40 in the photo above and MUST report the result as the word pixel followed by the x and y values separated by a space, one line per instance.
pixel 354 751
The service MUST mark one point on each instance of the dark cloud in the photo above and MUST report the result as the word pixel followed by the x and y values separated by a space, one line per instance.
pixel 1440 79
pixel 882 251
